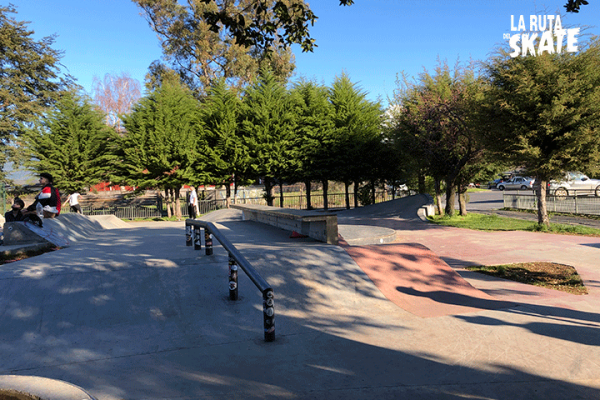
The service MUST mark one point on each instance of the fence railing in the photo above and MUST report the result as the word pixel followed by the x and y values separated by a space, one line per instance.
pixel 193 236
pixel 335 200
pixel 572 204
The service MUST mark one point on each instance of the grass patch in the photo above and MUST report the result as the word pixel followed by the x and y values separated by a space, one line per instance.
pixel 554 213
pixel 475 190
pixel 484 222
pixel 545 274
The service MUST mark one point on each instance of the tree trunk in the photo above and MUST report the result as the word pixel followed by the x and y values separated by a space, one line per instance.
pixel 540 192
pixel 168 202
pixel 325 194
pixel 308 193
pixel 462 202
pixel 235 187
pixel 347 194
pixel 372 192
pixel 450 198
pixel 438 196
pixel 356 187
pixel 421 179
pixel 227 195
pixel 269 191
pixel 280 194
pixel 176 192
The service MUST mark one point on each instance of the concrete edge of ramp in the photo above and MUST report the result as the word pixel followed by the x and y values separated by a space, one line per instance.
pixel 417 280
pixel 60 232
pixel 45 388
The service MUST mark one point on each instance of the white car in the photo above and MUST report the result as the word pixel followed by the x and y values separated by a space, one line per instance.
pixel 518 183
pixel 575 184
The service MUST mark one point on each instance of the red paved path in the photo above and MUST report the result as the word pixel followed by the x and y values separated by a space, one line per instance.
pixel 414 273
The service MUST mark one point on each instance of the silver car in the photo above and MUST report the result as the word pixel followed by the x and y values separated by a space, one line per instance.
pixel 575 184
pixel 518 183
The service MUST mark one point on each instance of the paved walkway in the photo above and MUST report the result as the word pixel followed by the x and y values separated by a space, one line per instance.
pixel 135 314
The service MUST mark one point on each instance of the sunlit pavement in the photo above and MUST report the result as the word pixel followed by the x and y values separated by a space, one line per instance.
pixel 135 314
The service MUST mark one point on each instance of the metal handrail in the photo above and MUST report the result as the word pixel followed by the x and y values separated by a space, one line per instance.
pixel 235 258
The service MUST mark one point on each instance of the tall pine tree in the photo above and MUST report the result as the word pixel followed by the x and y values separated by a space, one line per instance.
pixel 267 125
pixel 227 154
pixel 70 143
pixel 160 146
pixel 358 132
pixel 314 134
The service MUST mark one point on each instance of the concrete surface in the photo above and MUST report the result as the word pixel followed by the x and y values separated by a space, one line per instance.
pixel 133 313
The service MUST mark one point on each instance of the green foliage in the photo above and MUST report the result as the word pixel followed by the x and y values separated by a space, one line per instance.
pixel 314 135
pixel 268 126
pixel 496 223
pixel 70 143
pixel 226 152
pixel 30 79
pixel 357 124
pixel 160 147
pixel 439 125
pixel 545 110
pixel 204 40
pixel 544 113
pixel 574 5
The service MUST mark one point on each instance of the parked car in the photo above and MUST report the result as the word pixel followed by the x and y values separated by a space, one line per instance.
pixel 518 183
pixel 574 184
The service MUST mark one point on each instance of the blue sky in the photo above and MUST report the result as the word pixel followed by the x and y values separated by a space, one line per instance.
pixel 371 41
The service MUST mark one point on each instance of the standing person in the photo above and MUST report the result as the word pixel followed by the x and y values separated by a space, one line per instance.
pixel 192 203
pixel 48 198
pixel 73 200
pixel 15 214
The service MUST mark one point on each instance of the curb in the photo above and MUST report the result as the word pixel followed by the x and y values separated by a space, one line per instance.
pixel 45 388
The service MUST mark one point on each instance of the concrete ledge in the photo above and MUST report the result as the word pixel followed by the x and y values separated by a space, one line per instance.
pixel 427 209
pixel 317 225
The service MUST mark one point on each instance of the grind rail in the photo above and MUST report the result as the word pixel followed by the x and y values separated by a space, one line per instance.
pixel 193 237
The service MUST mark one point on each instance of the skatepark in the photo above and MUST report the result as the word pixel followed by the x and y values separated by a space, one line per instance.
pixel 128 311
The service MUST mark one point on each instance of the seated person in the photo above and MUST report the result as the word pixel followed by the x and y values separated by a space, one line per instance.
pixel 15 214
pixel 47 198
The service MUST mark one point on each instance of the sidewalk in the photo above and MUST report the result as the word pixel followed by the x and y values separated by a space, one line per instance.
pixel 135 314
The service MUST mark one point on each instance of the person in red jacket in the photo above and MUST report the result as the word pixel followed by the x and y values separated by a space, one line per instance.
pixel 48 198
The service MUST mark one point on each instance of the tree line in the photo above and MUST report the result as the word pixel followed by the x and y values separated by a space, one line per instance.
pixel 447 127
pixel 304 133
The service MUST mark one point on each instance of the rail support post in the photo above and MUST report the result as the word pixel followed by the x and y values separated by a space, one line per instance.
pixel 197 240
pixel 269 314
pixel 233 278
pixel 208 242
pixel 188 235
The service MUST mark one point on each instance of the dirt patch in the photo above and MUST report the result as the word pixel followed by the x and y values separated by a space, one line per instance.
pixel 546 274
pixel 9 394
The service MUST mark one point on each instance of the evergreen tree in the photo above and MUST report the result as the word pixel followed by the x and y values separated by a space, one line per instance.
pixel 70 143
pixel 545 113
pixel 30 79
pixel 227 154
pixel 160 146
pixel 314 134
pixel 358 131
pixel 267 125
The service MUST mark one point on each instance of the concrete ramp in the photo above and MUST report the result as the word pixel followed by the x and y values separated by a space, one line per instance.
pixel 61 231
pixel 417 280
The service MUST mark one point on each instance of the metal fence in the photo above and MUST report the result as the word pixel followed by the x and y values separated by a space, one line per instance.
pixel 588 205
pixel 335 200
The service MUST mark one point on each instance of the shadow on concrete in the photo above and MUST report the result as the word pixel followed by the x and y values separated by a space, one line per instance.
pixel 137 314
